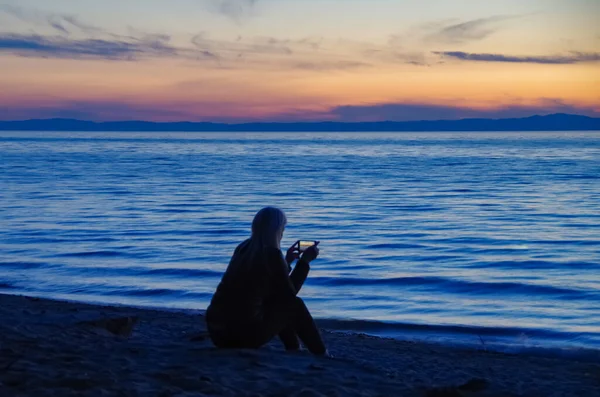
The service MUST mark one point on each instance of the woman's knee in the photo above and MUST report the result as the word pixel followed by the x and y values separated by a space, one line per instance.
pixel 300 308
pixel 298 302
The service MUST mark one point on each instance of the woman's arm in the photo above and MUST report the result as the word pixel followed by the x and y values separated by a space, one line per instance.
pixel 299 275
pixel 283 287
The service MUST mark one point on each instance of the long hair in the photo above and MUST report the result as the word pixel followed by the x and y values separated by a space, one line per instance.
pixel 267 227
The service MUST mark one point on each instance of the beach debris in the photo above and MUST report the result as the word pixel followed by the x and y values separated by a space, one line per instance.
pixel 122 326
pixel 475 384
pixel 205 378
pixel 523 338
pixel 443 392
pixel 316 367
pixel 9 354
pixel 79 384
pixel 11 363
pixel 201 337
pixel 14 380
pixel 482 342
pixel 256 363
pixel 308 393
pixel 247 353
pixel 472 386
pixel 188 383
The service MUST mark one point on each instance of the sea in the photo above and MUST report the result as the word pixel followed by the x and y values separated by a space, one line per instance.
pixel 487 239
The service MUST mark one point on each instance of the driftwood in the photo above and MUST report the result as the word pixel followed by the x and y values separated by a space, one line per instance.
pixel 122 326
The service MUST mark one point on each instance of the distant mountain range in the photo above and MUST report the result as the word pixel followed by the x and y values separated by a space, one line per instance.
pixel 554 122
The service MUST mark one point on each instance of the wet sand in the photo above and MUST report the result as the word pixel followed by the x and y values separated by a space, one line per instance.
pixel 54 348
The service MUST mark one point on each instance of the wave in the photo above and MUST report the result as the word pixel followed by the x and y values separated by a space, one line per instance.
pixel 100 290
pixel 381 326
pixel 22 265
pixel 515 340
pixel 143 271
pixel 90 254
pixel 534 264
pixel 180 272
pixel 585 243
pixel 156 292
pixel 58 240
pixel 394 246
pixel 460 286
pixel 178 210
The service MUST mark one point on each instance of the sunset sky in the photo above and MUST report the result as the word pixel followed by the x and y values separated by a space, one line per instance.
pixel 296 60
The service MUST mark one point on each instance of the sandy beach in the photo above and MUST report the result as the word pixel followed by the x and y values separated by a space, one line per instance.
pixel 54 348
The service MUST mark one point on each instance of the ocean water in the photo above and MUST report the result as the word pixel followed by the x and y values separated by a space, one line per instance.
pixel 482 238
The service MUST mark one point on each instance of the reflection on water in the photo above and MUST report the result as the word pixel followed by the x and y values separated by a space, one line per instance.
pixel 471 229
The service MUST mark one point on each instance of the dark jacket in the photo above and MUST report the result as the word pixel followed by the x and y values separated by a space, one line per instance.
pixel 250 284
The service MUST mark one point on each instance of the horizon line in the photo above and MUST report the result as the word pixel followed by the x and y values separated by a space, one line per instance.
pixel 551 122
pixel 300 122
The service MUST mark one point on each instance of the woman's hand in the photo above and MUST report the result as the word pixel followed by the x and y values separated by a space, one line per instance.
pixel 310 254
pixel 292 254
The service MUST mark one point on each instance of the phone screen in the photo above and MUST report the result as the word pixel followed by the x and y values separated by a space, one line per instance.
pixel 304 245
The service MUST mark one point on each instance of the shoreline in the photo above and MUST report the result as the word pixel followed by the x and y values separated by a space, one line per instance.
pixel 51 347
pixel 489 339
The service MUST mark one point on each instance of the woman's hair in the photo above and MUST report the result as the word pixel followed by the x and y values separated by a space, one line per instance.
pixel 267 226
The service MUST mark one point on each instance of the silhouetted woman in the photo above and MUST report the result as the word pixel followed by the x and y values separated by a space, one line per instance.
pixel 256 299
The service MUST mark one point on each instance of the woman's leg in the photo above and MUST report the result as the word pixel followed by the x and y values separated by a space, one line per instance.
pixel 288 336
pixel 278 319
pixel 288 320
pixel 293 315
pixel 307 330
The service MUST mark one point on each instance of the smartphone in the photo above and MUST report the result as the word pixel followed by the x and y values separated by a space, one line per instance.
pixel 303 245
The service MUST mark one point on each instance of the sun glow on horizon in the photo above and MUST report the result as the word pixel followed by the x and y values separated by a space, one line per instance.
pixel 456 60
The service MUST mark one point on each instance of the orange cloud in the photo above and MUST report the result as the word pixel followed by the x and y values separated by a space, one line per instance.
pixel 175 90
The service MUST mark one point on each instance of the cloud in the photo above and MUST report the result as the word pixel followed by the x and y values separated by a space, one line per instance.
pixel 236 112
pixel 234 9
pixel 401 48
pixel 450 31
pixel 571 58
pixel 423 111
pixel 159 108
pixel 91 42
pixel 473 30
pixel 63 24
pixel 394 56
pixel 309 54
pixel 114 49
pixel 83 27
pixel 96 111
pixel 362 51
pixel 265 53
pixel 261 46
pixel 330 65
pixel 67 37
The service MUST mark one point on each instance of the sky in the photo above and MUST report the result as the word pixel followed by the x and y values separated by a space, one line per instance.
pixel 298 60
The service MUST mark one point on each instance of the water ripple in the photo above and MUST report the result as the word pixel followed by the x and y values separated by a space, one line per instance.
pixel 447 230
